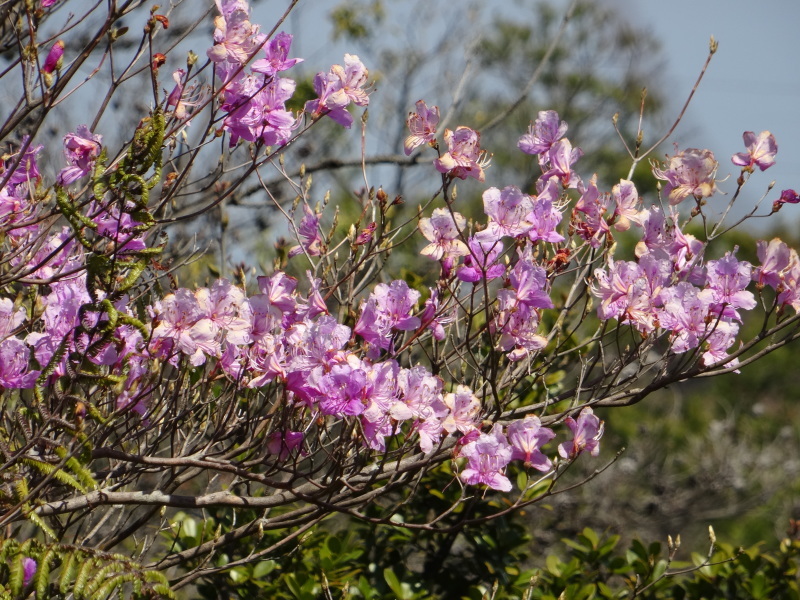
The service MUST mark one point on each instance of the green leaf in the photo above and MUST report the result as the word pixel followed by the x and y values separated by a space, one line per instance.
pixel 393 582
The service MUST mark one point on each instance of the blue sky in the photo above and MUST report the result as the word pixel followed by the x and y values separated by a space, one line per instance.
pixel 753 82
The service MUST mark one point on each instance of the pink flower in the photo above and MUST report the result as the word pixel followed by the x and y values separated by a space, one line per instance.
pixel 487 458
pixel 774 259
pixel 760 153
pixel 464 157
pixel 422 125
pixel 284 443
pixel 464 408
pixel 442 231
pixel 561 157
pixel 527 436
pixel 81 149
pixel 586 434
pixel 626 199
pixel 387 309
pixel 235 38
pixel 508 211
pixel 689 173
pixel 337 89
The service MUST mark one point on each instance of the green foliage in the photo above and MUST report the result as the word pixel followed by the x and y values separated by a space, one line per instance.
pixel 65 571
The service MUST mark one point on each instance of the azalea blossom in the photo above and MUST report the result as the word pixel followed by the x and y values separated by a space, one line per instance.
pixel 527 436
pixel 422 125
pixel 586 434
pixel 760 153
pixel 690 172
pixel 81 149
pixel 543 133
pixel 337 89
pixel 277 53
pixel 442 230
pixel 464 157
pixel 487 458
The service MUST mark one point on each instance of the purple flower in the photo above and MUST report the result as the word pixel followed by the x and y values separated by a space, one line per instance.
pixel 81 149
pixel 464 157
pixel 508 211
pixel 337 89
pixel 283 443
pixel 586 434
pixel 689 173
pixel 727 279
pixel 29 567
pixel 561 157
pixel 487 458
pixel 517 325
pixel 388 308
pixel 14 357
pixel 527 436
pixel 545 216
pixel 422 125
pixel 543 133
pixel 626 200
pixel 277 52
pixel 480 262
pixel 309 230
pixel 235 38
pixel 760 153
pixel 787 197
pixel 591 225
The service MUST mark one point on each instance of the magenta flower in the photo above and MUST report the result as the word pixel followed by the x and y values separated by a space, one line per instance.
pixel 543 133
pixel 586 434
pixel 422 125
pixel 442 231
pixel 527 436
pixel 54 58
pixel 464 157
pixel 760 153
pixel 487 458
pixel 81 149
pixel 29 567
pixel 181 325
pixel 689 173
pixel 787 197
pixel 277 53
pixel 14 358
